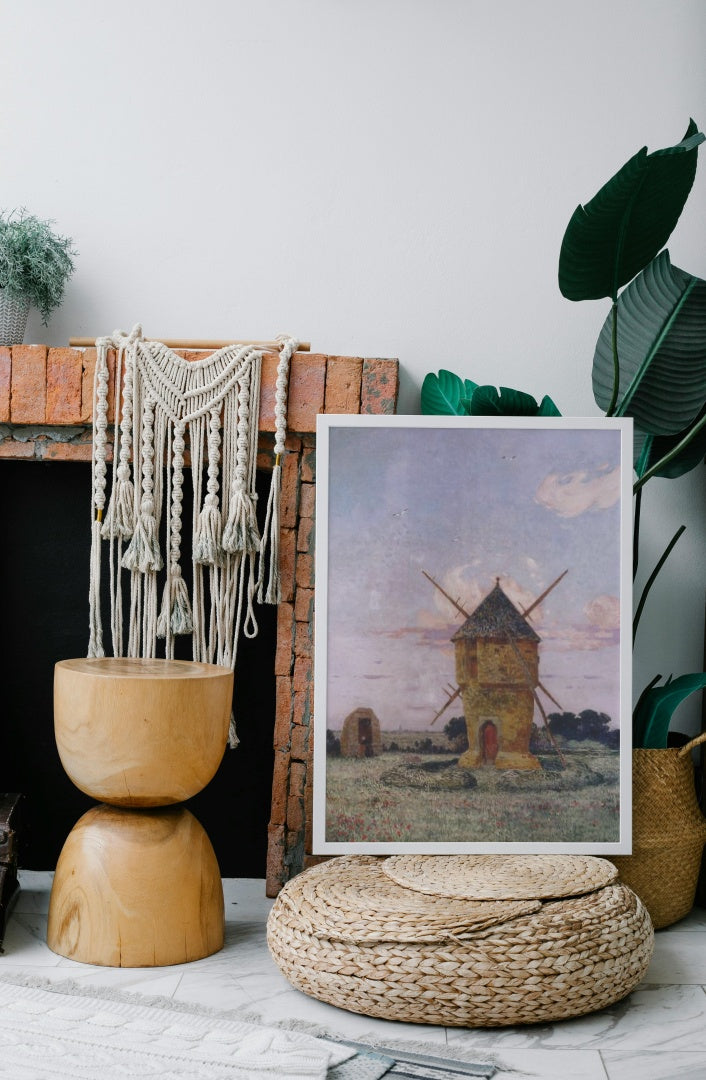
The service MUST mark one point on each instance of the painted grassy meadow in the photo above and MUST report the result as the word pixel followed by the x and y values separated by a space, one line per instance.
pixel 369 800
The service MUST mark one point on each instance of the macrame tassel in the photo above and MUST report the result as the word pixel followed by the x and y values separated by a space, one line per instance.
pixel 95 640
pixel 273 593
pixel 175 614
pixel 233 739
pixel 208 548
pixel 241 532
pixel 143 552
pixel 120 517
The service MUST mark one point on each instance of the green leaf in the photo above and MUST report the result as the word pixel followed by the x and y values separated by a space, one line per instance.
pixel 610 239
pixel 661 350
pixel 649 450
pixel 547 407
pixel 489 401
pixel 444 394
pixel 653 713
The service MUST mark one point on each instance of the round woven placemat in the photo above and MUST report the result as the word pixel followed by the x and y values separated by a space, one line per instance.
pixel 354 900
pixel 500 877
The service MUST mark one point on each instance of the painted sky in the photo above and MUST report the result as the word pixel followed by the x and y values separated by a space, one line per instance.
pixel 468 505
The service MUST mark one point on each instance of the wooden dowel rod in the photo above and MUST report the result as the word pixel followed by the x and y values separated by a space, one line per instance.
pixel 198 343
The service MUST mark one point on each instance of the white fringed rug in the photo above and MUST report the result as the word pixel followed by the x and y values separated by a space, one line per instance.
pixel 63 1031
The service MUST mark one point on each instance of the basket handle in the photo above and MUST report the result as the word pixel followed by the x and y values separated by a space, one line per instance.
pixel 690 745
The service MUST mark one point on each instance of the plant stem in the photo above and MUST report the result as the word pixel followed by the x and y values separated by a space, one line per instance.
pixel 616 365
pixel 691 433
pixel 636 533
pixel 651 579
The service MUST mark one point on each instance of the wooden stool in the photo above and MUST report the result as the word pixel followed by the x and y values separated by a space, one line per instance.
pixel 137 886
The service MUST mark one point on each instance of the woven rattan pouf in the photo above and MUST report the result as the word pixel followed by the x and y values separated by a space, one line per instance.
pixel 466 941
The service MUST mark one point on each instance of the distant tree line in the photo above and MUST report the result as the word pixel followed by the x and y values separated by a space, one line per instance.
pixel 580 727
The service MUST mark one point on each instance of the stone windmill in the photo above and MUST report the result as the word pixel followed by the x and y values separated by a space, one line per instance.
pixel 497 670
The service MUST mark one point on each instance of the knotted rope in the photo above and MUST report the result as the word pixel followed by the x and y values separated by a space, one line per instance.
pixel 163 404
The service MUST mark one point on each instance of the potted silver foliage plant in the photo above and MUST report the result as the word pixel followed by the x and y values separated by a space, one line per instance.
pixel 35 264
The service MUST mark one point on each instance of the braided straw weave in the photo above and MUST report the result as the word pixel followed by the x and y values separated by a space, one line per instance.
pixel 501 877
pixel 568 958
pixel 360 903
pixel 668 833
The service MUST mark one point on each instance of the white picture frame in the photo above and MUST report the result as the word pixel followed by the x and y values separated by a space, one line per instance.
pixel 436 536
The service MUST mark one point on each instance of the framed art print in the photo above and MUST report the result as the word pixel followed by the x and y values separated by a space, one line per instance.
pixel 473 635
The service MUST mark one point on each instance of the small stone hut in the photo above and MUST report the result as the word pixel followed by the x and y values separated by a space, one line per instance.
pixel 497 668
pixel 361 736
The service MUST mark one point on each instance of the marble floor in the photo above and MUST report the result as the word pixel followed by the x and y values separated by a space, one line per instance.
pixel 658 1033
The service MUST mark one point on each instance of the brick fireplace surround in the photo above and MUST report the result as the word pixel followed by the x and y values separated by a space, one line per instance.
pixel 45 415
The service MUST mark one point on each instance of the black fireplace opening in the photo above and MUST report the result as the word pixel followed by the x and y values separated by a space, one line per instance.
pixel 44 560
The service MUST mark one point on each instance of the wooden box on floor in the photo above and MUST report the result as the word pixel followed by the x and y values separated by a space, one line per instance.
pixel 10 826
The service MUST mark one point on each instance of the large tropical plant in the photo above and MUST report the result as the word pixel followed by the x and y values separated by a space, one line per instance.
pixel 650 358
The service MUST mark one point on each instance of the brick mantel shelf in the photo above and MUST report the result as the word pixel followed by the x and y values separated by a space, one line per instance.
pixel 46 399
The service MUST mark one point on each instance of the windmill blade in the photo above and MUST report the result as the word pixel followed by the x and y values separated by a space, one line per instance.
pixel 535 695
pixel 466 614
pixel 538 601
pixel 551 697
pixel 451 697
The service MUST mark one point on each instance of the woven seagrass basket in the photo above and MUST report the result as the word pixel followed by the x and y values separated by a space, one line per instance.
pixel 13 319
pixel 668 833
pixel 349 934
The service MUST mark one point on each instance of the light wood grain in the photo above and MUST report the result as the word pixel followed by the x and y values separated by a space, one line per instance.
pixel 136 888
pixel 141 732
pixel 197 343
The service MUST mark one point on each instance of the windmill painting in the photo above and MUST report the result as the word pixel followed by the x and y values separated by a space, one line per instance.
pixel 491 558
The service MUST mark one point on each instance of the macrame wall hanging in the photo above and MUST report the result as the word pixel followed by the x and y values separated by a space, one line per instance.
pixel 214 404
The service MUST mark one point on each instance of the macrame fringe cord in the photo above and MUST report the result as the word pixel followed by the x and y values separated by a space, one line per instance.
pixel 273 593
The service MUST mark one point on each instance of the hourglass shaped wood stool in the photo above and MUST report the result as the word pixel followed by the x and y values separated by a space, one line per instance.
pixel 137 883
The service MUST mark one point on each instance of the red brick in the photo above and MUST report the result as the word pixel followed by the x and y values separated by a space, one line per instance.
pixel 304 605
pixel 302 673
pixel 283 712
pixel 28 384
pixel 295 814
pixel 307 500
pixel 303 644
pixel 267 391
pixel 64 378
pixel 301 711
pixel 305 571
pixel 284 653
pixel 297 779
pixel 53 451
pixel 88 372
pixel 289 501
pixel 306 391
pixel 380 386
pixel 5 374
pixel 305 535
pixel 300 738
pixel 287 562
pixel 11 448
pixel 308 463
pixel 275 860
pixel 343 382
pixel 280 788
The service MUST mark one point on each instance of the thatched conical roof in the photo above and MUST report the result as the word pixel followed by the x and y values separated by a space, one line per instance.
pixel 496 617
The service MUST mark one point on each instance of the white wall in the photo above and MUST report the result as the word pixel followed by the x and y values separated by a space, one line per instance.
pixel 383 177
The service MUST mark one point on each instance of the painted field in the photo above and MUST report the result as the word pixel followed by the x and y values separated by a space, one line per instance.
pixel 416 797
